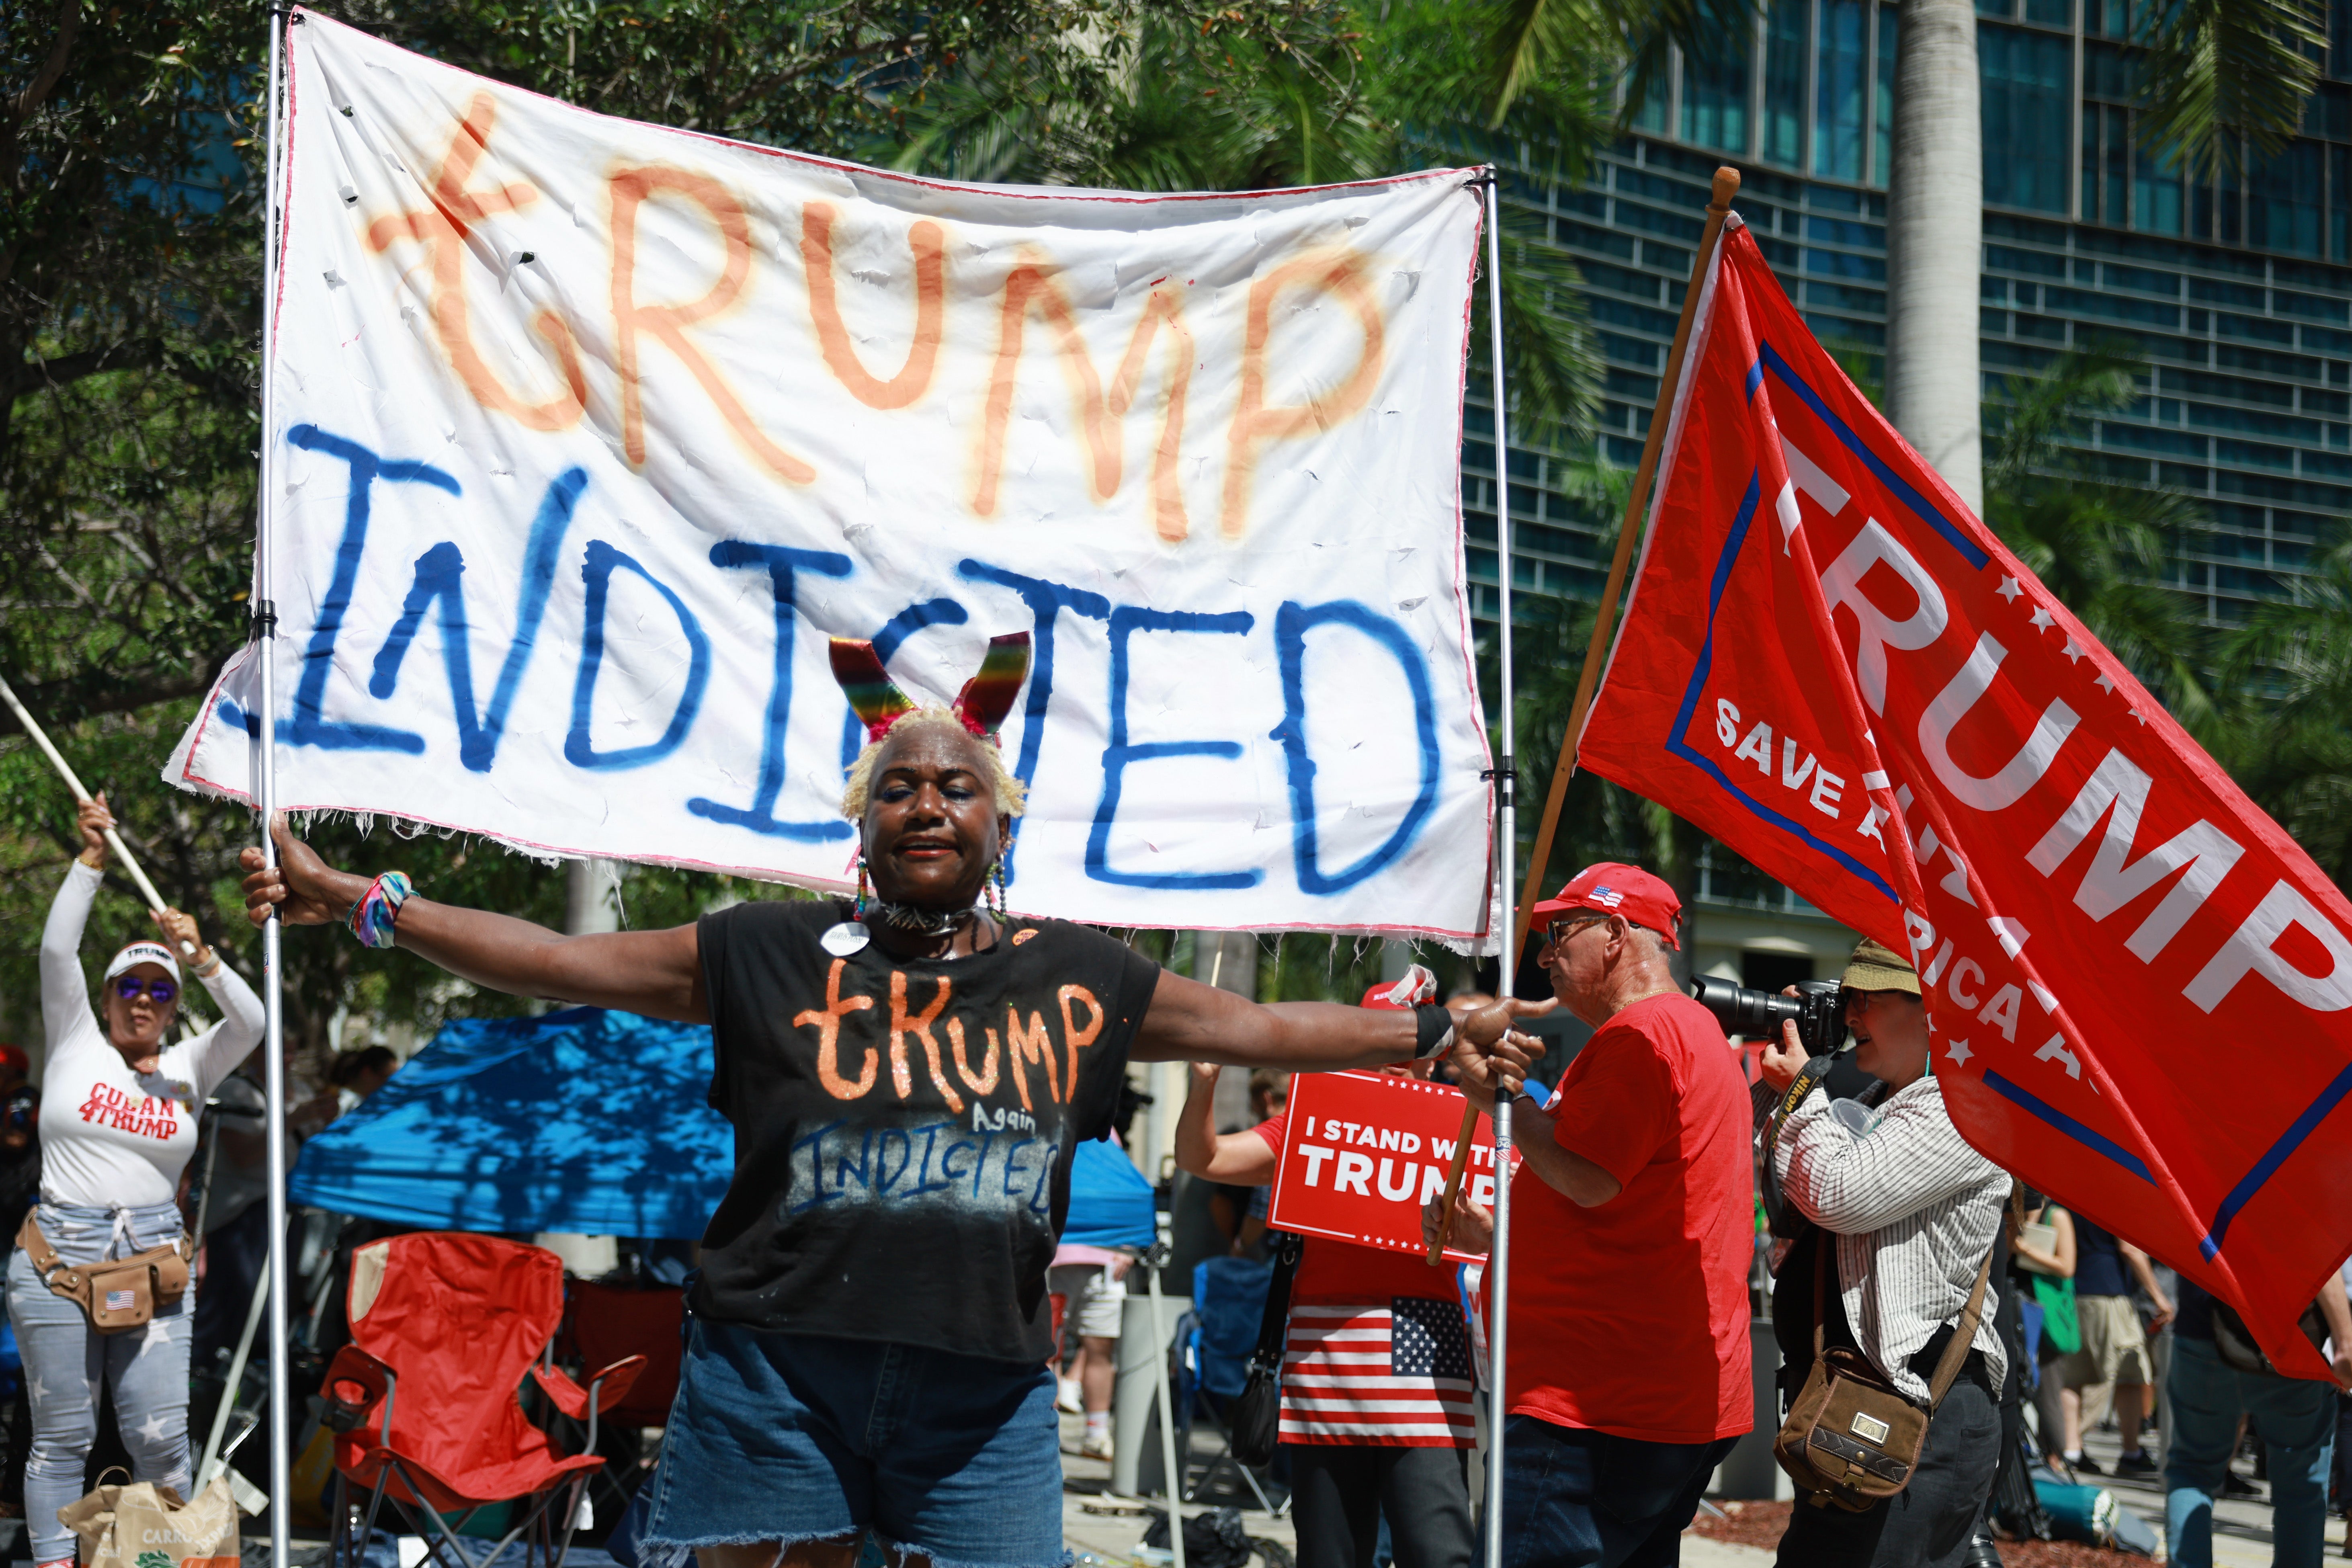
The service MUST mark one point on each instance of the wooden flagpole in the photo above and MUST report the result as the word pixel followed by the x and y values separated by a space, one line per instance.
pixel 1726 185
pixel 73 782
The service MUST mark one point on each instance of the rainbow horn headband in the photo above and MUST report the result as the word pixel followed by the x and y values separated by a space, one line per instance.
pixel 982 705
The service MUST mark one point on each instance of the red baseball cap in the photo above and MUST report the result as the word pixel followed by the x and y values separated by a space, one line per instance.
pixel 1610 888
pixel 1417 985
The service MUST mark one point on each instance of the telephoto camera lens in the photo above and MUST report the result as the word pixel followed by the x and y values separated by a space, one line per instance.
pixel 1817 1010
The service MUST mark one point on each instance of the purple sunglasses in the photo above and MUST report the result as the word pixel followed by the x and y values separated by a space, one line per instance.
pixel 130 987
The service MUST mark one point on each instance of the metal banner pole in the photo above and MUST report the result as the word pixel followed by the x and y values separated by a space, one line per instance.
pixel 265 797
pixel 1498 1263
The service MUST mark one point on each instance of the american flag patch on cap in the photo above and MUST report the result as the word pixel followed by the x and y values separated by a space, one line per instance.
pixel 121 1300
pixel 1607 896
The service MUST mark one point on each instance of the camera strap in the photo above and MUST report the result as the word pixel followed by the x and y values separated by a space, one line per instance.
pixel 1785 1222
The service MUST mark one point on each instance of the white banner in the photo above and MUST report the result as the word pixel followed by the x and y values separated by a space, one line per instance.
pixel 586 436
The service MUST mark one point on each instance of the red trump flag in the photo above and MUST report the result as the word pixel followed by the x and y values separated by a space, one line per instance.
pixel 2137 982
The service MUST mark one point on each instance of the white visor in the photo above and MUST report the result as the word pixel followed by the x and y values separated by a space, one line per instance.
pixel 144 952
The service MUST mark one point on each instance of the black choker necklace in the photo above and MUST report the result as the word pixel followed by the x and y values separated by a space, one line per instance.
pixel 852 935
pixel 912 921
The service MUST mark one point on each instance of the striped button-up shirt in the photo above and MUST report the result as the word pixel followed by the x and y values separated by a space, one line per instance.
pixel 1915 1210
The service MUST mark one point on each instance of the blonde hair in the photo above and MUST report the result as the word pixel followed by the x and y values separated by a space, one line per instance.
pixel 857 787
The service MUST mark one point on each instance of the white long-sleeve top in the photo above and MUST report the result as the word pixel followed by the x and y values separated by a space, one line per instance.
pixel 1913 1209
pixel 112 1138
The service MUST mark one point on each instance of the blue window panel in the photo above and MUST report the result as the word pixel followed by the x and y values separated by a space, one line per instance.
pixel 2002 259
pixel 1657 187
pixel 1842 69
pixel 2285 205
pixel 2144 439
pixel 1585 236
pixel 2257 422
pixel 2142 281
pixel 2266 362
pixel 1623 280
pixel 2201 384
pixel 1631 214
pixel 2108 72
pixel 2051 13
pixel 2157 192
pixel 1715 94
pixel 2028 94
pixel 1618 313
pixel 1785 33
pixel 2253 329
pixel 2254 455
pixel 1838 231
pixel 2309 307
pixel 1839 297
pixel 1839 264
pixel 2114 307
pixel 2248 296
pixel 1619 350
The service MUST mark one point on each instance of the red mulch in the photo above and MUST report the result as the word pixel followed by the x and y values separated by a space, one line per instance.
pixel 1761 1524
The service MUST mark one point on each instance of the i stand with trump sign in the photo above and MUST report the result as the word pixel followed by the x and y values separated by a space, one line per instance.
pixel 1362 1153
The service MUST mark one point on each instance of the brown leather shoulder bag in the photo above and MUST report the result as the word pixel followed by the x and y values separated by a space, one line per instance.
pixel 1852 1438
pixel 119 1294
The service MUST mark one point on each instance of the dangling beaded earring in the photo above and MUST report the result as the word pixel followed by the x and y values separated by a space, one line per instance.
pixel 993 891
pixel 861 885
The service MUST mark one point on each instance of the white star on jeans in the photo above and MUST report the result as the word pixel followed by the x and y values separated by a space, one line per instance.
pixel 152 1427
pixel 158 1333
pixel 1958 1052
pixel 38 1389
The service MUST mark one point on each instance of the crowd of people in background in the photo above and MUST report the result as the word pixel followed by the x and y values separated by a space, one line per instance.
pixel 1890 1242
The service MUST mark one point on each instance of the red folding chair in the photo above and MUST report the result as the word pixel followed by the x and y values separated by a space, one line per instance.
pixel 424 1402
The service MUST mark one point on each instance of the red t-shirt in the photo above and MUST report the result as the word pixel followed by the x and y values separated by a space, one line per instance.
pixel 1631 1318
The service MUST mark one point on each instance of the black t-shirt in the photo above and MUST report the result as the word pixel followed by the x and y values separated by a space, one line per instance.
pixel 904 1128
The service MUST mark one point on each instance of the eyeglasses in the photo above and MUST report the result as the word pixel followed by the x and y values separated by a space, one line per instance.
pixel 130 987
pixel 1558 932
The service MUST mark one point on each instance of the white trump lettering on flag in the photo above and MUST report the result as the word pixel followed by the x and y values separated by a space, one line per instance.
pixel 587 434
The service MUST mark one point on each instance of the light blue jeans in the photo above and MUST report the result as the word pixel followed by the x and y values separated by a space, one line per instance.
pixel 2297 1423
pixel 145 1370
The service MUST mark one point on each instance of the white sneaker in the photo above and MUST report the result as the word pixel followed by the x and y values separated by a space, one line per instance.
pixel 1068 1399
pixel 1096 1445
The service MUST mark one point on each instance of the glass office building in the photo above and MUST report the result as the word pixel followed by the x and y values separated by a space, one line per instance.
pixel 2236 291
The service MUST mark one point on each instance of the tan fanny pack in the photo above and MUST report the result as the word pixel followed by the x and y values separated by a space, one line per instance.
pixel 119 1294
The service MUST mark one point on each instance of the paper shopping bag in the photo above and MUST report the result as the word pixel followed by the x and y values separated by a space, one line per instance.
pixel 143 1525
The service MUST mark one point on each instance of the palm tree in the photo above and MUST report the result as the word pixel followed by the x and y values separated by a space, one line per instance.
pixel 2099 546
pixel 1379 91
pixel 2217 76
pixel 2283 735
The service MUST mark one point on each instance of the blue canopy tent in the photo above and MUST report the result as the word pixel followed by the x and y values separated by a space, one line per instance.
pixel 587 1122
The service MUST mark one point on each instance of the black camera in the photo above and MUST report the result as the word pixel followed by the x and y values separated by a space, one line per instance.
pixel 1817 1009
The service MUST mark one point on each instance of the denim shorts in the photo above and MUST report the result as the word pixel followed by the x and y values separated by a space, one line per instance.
pixel 797 1438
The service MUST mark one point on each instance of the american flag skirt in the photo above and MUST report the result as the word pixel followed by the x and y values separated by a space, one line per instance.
pixel 1398 1374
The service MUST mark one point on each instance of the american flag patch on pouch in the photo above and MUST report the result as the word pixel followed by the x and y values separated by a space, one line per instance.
pixel 121 1300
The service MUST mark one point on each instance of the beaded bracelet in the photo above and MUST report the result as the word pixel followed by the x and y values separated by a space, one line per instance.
pixel 371 919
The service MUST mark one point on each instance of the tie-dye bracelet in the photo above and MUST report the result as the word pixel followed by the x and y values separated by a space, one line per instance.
pixel 371 919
